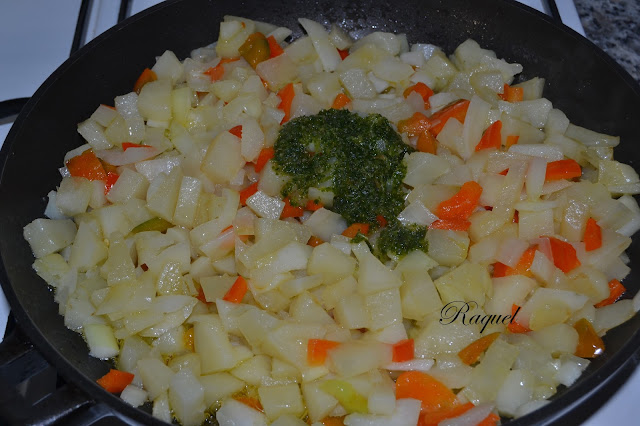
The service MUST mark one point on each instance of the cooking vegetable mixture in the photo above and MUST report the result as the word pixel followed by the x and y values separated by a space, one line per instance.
pixel 328 231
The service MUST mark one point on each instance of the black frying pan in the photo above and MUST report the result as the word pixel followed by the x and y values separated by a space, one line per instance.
pixel 581 80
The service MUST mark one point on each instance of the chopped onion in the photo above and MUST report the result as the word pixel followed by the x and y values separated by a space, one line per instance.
pixel 130 156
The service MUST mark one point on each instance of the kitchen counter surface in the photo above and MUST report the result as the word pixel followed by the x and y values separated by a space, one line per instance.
pixel 614 26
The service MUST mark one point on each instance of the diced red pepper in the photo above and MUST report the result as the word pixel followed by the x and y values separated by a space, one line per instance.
pixel 462 204
pixel 616 290
pixel 403 350
pixel 86 165
pixel 248 192
pixel 291 211
pixel 146 77
pixel 317 350
pixel 236 131
pixel 492 137
pixel 237 291
pixel 266 154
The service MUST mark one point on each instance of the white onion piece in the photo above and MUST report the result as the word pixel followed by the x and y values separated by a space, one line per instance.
pixel 471 417
pixel 548 152
pixel 544 246
pixel 406 413
pixel 534 181
pixel 234 413
pixel 152 168
pixel 417 213
pixel 510 251
pixel 423 365
pixel 133 395
pixel 326 51
pixel 130 156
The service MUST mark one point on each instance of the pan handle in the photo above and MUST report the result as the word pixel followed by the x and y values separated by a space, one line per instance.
pixel 30 395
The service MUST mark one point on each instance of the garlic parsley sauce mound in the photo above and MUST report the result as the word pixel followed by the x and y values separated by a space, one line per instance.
pixel 208 237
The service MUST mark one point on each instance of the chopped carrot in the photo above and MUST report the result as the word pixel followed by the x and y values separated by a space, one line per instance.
pixel 462 204
pixel 108 167
pixel 514 326
pixel 146 77
pixel 343 53
pixel 512 140
pixel 250 402
pixel 291 211
pixel 451 224
pixel 491 420
pixel 491 137
pixel 237 291
pixel 562 169
pixel 516 217
pixel 457 110
pixel 512 94
pixel 471 354
pixel 274 47
pixel 86 165
pixel 504 172
pixel 248 192
pixel 433 394
pixel 112 178
pixel 236 131
pixel 590 345
pixel 564 255
pixel 427 142
pixel 355 229
pixel 127 145
pixel 616 289
pixel 188 338
pixel 115 380
pixel 592 235
pixel 423 90
pixel 403 350
pixel 317 350
pixel 382 222
pixel 313 205
pixel 108 106
pixel 286 95
pixel 340 101
pixel 266 154
pixel 523 267
pixel 414 125
pixel 255 49
pixel 434 417
pixel 314 241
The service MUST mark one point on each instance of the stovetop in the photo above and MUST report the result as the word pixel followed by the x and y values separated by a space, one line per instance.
pixel 40 34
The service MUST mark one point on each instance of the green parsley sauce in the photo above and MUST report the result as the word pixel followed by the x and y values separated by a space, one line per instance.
pixel 359 159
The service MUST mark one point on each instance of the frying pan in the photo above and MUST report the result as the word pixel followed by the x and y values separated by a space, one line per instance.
pixel 581 80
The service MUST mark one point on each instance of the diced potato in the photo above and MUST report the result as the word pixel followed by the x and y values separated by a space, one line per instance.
pixel 74 195
pixel 488 377
pixel 357 357
pixel 280 400
pixel 155 375
pixel 101 341
pixel 448 248
pixel 319 404
pixel 255 371
pixel 467 282
pixel 47 236
pixel 373 276
pixel 557 338
pixel 163 192
pixel 186 396
pixel 218 386
pixel 212 343
pixel 418 295
pixel 384 308
pixel 331 263
pixel 223 159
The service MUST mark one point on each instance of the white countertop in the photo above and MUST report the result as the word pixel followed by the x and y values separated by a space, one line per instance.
pixel 37 36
